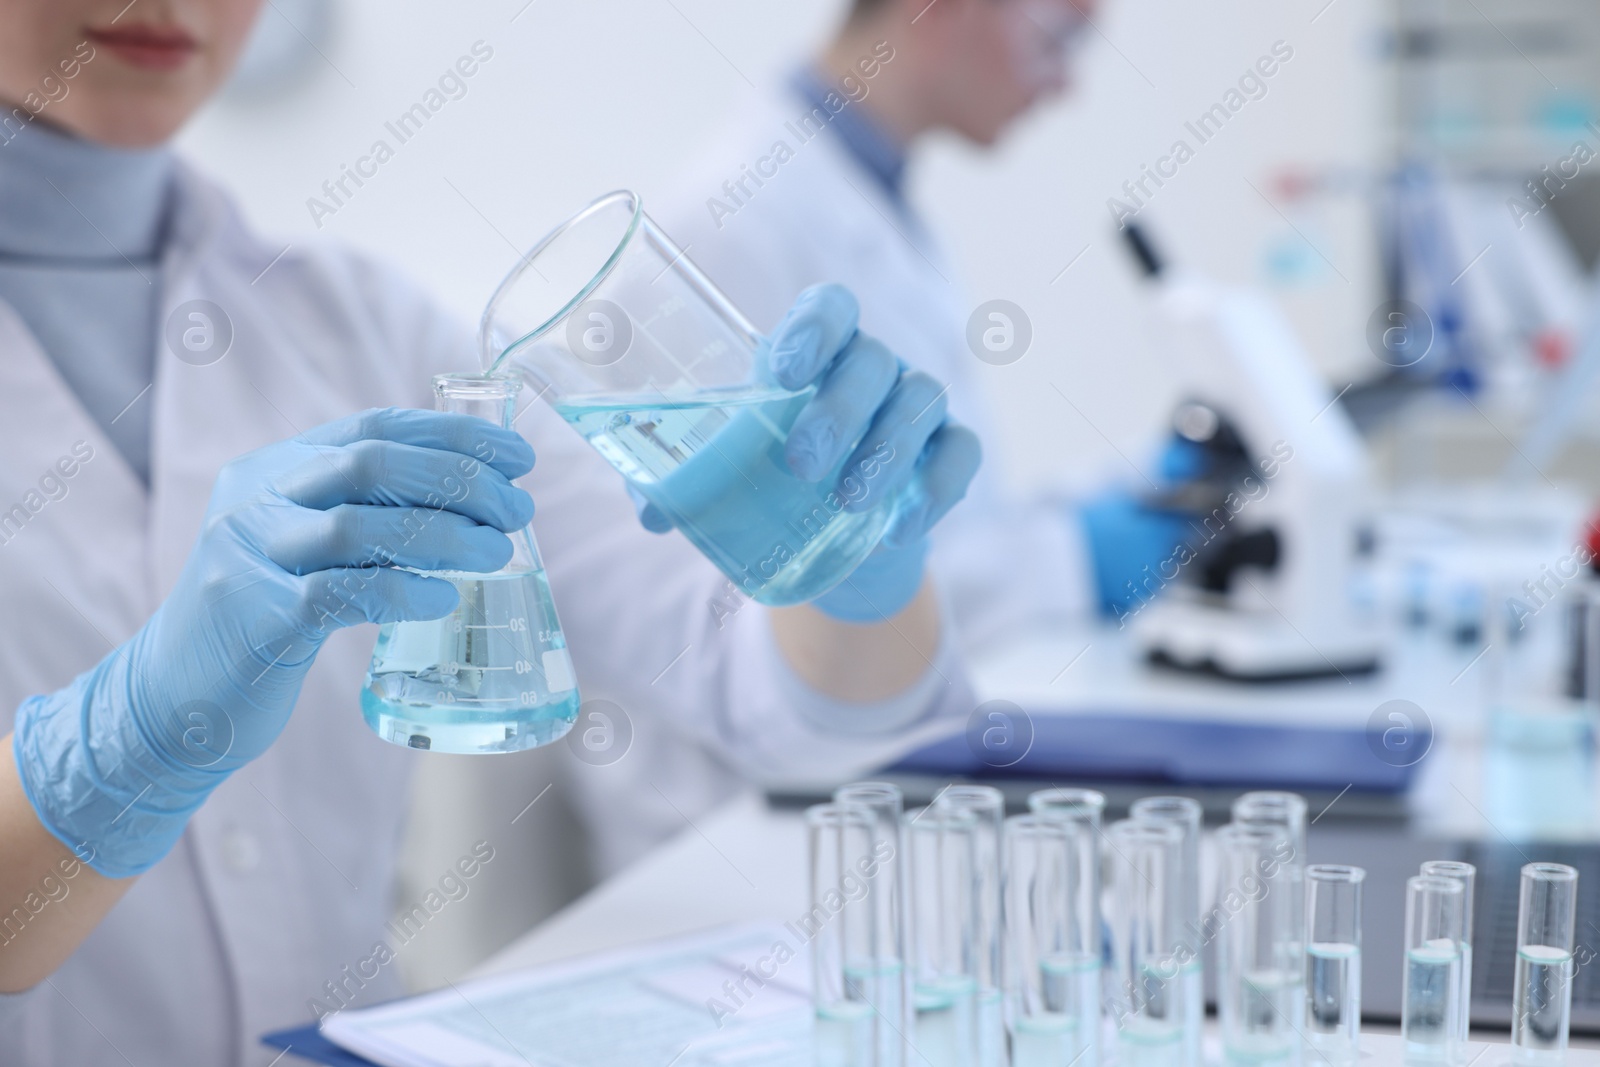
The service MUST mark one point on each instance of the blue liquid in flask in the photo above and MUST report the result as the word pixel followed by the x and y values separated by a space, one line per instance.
pixel 494 675
pixel 714 464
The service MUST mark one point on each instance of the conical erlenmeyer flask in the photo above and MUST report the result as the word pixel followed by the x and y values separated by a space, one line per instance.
pixel 494 675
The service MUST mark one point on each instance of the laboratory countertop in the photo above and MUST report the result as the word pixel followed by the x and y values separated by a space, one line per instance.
pixel 745 861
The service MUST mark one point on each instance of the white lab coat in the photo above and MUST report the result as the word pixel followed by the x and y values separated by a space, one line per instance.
pixel 1007 564
pixel 283 879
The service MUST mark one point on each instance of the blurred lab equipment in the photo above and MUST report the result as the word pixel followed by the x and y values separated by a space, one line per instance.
pixel 494 675
pixel 1430 1020
pixel 1333 961
pixel 644 357
pixel 1541 1014
pixel 1263 589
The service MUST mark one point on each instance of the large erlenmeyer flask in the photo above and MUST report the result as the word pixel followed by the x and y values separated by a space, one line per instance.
pixel 493 676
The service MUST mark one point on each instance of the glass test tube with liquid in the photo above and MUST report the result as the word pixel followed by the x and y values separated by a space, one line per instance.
pixel 1333 961
pixel 841 840
pixel 1541 1009
pixel 988 806
pixel 1073 975
pixel 1185 814
pixel 1287 811
pixel 944 936
pixel 882 977
pixel 1466 874
pixel 1052 1023
pixel 1145 904
pixel 1431 1007
pixel 1260 965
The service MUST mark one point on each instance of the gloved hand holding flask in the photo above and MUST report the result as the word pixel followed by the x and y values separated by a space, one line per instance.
pixel 301 538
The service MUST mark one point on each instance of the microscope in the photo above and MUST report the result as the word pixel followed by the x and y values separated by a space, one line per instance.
pixel 1261 588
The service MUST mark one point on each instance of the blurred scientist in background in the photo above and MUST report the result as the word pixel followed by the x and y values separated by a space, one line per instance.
pixel 810 185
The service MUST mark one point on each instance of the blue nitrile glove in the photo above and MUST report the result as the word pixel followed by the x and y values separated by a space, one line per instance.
pixel 864 391
pixel 1134 549
pixel 301 538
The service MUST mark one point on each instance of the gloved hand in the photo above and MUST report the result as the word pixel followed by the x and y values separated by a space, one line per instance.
pixel 301 538
pixel 1134 549
pixel 867 397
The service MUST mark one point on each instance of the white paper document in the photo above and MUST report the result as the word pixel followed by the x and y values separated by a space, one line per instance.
pixel 726 998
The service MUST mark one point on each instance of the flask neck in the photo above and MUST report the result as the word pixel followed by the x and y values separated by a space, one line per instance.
pixel 490 398
pixel 493 399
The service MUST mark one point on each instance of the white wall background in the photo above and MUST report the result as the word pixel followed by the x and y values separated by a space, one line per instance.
pixel 582 96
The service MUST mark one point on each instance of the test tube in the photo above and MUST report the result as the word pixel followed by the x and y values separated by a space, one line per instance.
pixel 988 806
pixel 1143 862
pixel 1431 1008
pixel 1260 974
pixel 1273 808
pixel 1541 1008
pixel 944 935
pixel 888 979
pixel 1466 874
pixel 1052 983
pixel 1185 814
pixel 1288 811
pixel 840 926
pixel 1076 972
pixel 1333 961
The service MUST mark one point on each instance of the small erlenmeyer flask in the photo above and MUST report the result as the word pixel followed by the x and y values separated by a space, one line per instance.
pixel 494 675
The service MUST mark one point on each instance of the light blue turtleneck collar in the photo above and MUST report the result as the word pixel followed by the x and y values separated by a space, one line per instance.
pixel 71 198
pixel 81 236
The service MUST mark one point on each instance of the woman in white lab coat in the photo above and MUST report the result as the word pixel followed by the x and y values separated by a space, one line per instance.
pixel 214 343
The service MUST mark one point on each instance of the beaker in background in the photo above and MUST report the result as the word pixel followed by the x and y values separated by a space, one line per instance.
pixel 494 675
pixel 644 357
pixel 1538 770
